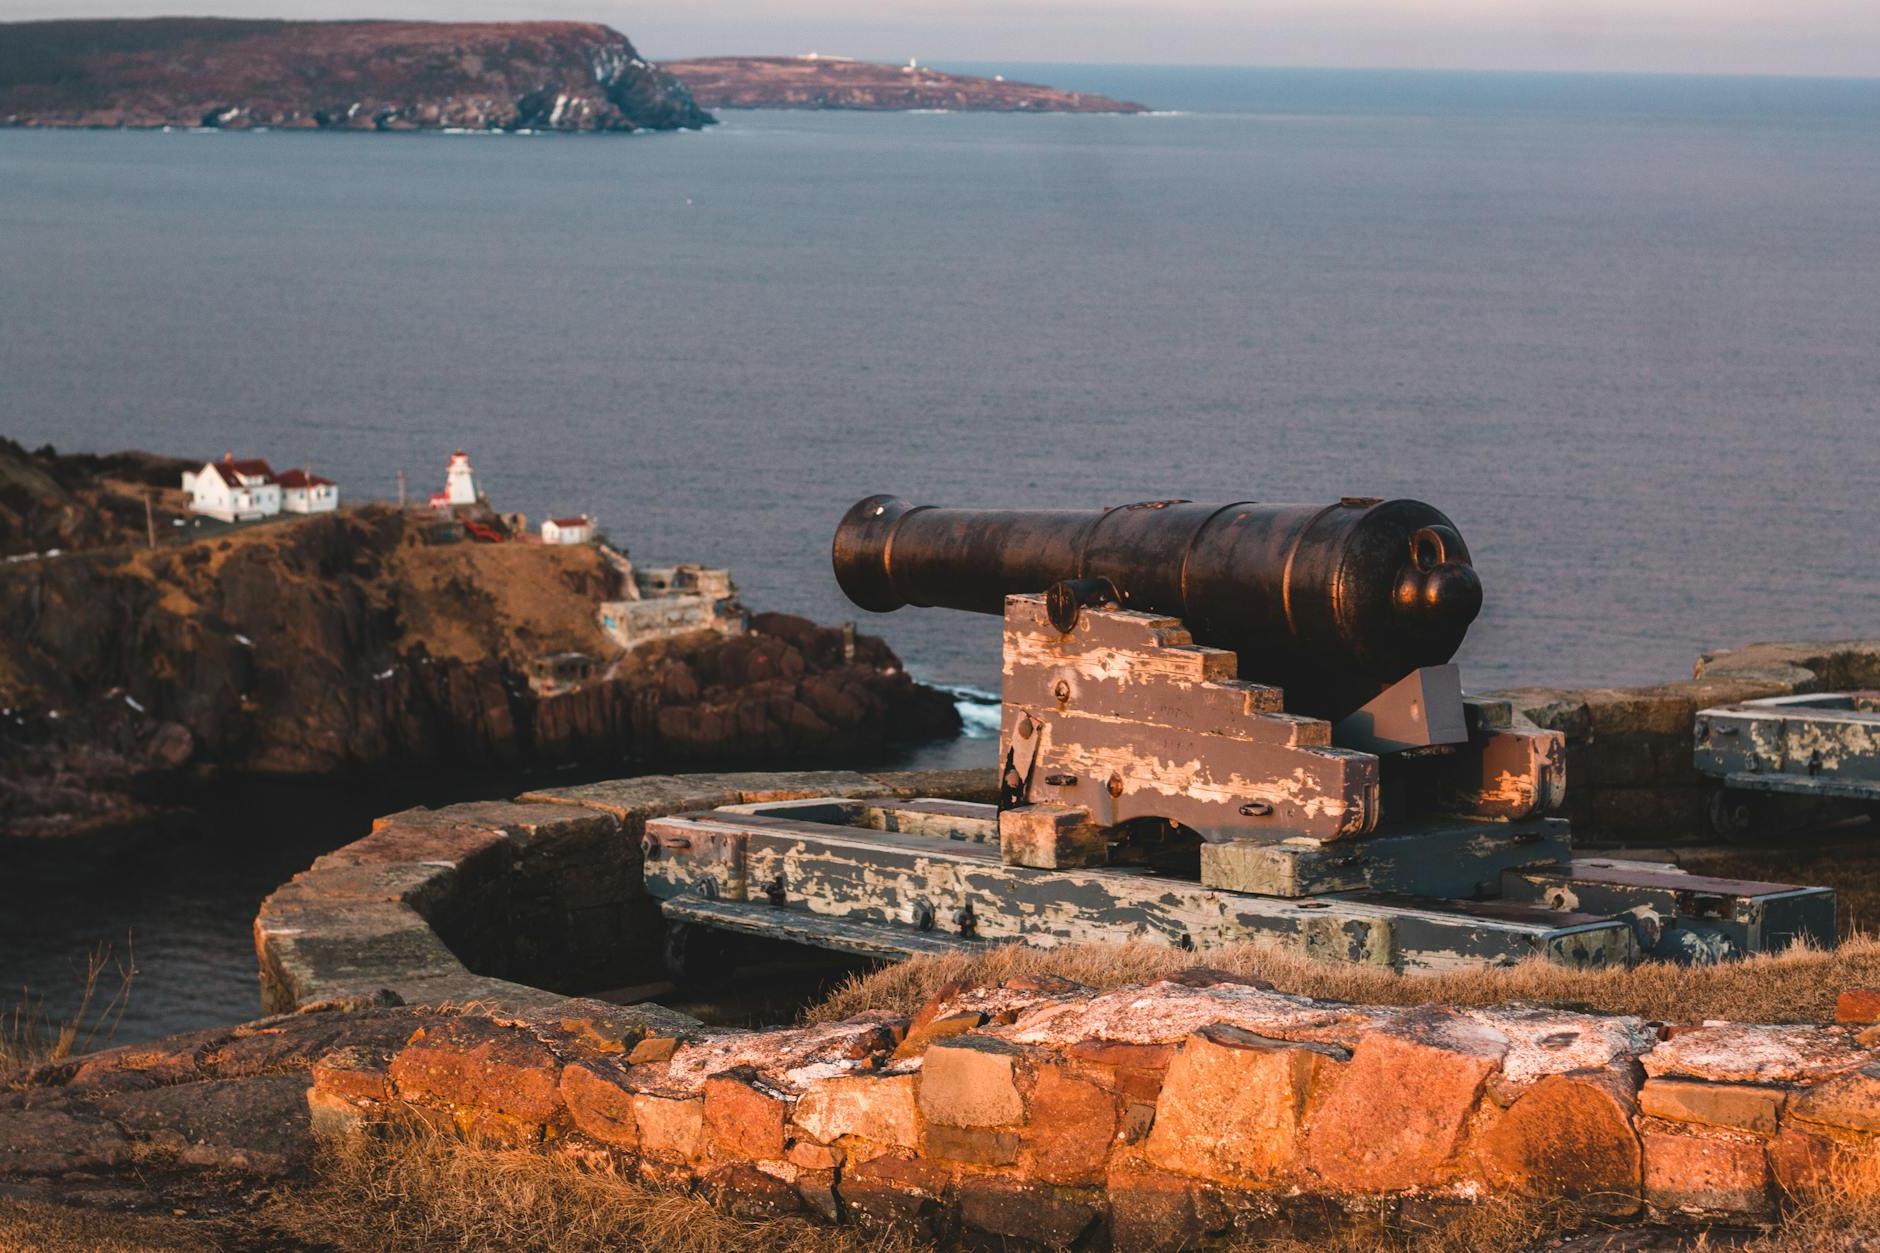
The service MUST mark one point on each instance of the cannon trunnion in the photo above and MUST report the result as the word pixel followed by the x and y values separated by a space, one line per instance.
pixel 1220 723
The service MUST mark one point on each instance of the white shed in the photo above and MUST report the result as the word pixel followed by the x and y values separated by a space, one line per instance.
pixel 568 530
pixel 302 492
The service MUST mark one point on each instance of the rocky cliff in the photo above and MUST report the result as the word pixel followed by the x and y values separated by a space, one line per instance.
pixel 344 644
pixel 813 82
pixel 563 76
pixel 50 502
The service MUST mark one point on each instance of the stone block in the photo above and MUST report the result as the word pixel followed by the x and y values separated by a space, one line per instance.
pixel 1394 1119
pixel 973 1145
pixel 1850 1102
pixel 808 1155
pixel 976 784
pixel 653 1050
pixel 1073 1127
pixel 1568 1136
pixel 670 1129
pixel 334 1117
pixel 1710 1175
pixel 1133 1071
pixel 743 1191
pixel 971 1081
pixel 894 1192
pixel 817 1190
pixel 1036 1214
pixel 600 1104
pixel 1804 1164
pixel 1858 1006
pixel 922 1034
pixel 880 1109
pixel 473 851
pixel 1231 1106
pixel 355 1073
pixel 1665 711
pixel 1152 1210
pixel 743 1118
pixel 632 801
pixel 1738 1053
pixel 473 1064
pixel 1738 1106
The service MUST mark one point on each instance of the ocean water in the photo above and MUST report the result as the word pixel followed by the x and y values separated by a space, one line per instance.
pixel 1625 331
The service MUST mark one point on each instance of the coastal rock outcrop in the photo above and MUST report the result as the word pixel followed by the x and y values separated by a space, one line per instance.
pixel 242 74
pixel 347 644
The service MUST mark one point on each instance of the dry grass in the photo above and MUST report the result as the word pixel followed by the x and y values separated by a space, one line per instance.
pixel 42 1227
pixel 28 1038
pixel 415 1189
pixel 1799 985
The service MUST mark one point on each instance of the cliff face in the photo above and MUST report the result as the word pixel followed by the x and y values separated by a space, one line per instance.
pixel 343 644
pixel 49 501
pixel 832 83
pixel 568 76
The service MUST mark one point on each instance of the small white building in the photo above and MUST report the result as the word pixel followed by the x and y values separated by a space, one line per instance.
pixel 460 484
pixel 233 491
pixel 302 492
pixel 568 530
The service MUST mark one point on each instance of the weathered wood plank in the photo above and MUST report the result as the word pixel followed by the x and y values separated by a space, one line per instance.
pixel 954 886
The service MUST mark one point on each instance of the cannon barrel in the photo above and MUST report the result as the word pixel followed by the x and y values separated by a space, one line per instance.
pixel 1332 602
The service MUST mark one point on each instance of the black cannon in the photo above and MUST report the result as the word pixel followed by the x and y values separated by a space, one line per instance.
pixel 1218 723
pixel 1332 602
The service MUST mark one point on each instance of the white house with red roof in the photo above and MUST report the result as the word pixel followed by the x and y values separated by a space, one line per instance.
pixel 303 491
pixel 568 530
pixel 234 491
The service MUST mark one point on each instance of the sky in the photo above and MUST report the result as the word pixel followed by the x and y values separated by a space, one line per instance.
pixel 1838 37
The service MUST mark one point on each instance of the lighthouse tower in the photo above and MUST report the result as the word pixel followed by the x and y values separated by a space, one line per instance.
pixel 460 481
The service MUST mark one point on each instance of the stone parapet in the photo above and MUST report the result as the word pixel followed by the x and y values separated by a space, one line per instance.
pixel 493 901
pixel 1630 776
pixel 1157 1114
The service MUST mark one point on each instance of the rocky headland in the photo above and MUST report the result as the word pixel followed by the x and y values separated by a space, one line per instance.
pixel 349 644
pixel 241 74
pixel 820 82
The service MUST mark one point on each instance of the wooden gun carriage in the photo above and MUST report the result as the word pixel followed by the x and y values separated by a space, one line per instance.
pixel 1221 723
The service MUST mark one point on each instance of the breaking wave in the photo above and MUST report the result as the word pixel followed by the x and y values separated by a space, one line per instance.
pixel 979 711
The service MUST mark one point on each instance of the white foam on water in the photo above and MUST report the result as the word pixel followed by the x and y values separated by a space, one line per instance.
pixel 979 711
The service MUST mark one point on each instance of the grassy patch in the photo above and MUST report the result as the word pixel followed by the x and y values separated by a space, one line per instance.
pixel 29 1038
pixel 413 1188
pixel 1799 985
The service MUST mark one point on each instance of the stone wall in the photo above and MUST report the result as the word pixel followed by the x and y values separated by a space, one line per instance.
pixel 1045 1112
pixel 497 900
pixel 1629 750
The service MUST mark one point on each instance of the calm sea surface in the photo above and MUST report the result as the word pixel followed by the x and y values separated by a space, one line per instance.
pixel 1626 331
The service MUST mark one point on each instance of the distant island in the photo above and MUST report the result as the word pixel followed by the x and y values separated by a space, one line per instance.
pixel 385 76
pixel 824 82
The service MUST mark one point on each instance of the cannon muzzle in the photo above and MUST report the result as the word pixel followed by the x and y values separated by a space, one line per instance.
pixel 1331 602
